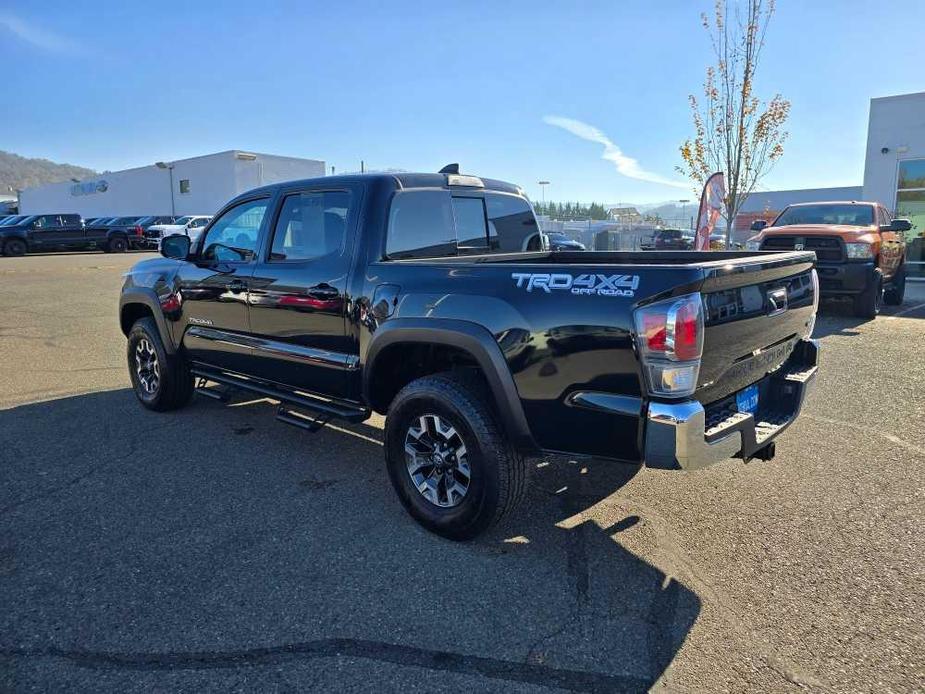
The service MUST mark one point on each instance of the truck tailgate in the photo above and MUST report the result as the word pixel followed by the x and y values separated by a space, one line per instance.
pixel 754 311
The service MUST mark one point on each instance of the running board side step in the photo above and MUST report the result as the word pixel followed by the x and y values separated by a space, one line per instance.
pixel 298 410
pixel 222 393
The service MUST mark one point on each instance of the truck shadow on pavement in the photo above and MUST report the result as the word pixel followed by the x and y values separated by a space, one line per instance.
pixel 215 538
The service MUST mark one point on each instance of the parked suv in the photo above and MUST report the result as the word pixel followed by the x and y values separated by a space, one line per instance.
pixel 410 295
pixel 860 249
pixel 670 240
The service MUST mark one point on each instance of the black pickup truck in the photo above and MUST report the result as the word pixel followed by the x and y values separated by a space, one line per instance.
pixel 411 295
pixel 54 232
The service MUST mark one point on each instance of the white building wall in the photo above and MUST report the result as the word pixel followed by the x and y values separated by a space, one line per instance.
pixel 896 123
pixel 777 200
pixel 213 180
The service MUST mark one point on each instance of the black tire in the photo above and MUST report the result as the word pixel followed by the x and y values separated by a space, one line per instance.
pixel 498 472
pixel 896 293
pixel 867 303
pixel 174 383
pixel 118 244
pixel 14 247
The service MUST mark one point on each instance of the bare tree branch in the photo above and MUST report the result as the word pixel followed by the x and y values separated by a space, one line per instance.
pixel 734 131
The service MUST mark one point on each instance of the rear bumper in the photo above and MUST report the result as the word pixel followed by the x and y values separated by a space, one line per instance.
pixel 844 278
pixel 678 435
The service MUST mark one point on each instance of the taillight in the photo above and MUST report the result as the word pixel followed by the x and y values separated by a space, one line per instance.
pixel 669 335
pixel 138 230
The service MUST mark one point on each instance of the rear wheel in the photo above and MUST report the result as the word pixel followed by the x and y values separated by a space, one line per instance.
pixel 897 292
pixel 867 303
pixel 14 247
pixel 448 459
pixel 161 381
pixel 118 244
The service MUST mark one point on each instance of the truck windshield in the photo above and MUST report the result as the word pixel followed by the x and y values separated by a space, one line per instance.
pixel 849 215
pixel 182 221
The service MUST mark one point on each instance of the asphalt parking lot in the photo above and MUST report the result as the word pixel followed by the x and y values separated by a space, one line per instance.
pixel 216 549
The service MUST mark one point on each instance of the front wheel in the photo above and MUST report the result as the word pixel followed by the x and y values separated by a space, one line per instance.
pixel 867 303
pixel 448 459
pixel 14 247
pixel 161 381
pixel 897 292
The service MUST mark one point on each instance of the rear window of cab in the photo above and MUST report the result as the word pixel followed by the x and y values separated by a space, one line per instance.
pixel 442 224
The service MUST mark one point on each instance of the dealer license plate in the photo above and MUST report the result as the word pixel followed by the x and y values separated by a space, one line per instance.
pixel 747 400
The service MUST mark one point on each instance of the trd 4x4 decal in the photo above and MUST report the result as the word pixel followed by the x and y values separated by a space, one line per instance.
pixel 587 284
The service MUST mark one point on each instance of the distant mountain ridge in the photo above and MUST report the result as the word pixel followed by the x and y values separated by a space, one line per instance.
pixel 18 172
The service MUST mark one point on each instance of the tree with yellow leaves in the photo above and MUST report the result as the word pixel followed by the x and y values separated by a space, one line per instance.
pixel 734 131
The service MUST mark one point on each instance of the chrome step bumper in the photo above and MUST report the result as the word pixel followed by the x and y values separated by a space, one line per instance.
pixel 677 435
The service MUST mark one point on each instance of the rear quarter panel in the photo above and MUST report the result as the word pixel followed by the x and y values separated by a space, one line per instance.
pixel 555 342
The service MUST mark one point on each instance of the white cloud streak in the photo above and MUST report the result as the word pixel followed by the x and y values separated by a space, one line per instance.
pixel 36 36
pixel 626 166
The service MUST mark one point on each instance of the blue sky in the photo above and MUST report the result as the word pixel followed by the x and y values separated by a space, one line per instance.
pixel 503 88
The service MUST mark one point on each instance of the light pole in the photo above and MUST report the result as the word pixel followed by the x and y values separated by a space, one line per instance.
pixel 169 167
pixel 683 204
pixel 543 185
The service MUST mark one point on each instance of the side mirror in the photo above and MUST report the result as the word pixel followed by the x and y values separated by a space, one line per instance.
pixel 901 225
pixel 175 246
pixel 759 224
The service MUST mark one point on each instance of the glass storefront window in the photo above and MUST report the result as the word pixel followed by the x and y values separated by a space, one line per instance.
pixel 910 204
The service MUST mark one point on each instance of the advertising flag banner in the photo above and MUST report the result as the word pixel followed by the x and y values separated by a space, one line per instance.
pixel 711 207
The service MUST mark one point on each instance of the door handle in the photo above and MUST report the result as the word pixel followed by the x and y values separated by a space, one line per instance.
pixel 236 286
pixel 323 291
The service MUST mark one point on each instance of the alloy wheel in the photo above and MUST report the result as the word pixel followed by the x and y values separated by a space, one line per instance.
pixel 437 461
pixel 147 367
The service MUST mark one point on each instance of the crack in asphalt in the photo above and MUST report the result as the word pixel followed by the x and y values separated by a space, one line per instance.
pixel 408 656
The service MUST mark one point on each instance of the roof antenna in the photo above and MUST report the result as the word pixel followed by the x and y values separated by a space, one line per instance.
pixel 450 169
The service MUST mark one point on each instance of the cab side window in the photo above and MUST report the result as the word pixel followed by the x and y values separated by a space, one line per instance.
pixel 311 225
pixel 46 221
pixel 233 237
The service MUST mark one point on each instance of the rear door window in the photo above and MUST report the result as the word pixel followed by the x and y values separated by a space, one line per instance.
pixel 311 225
pixel 421 225
pixel 512 228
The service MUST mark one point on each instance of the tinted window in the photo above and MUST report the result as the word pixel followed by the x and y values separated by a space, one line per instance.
pixel 471 231
pixel 233 238
pixel 46 220
pixel 511 225
pixel 311 225
pixel 851 215
pixel 197 223
pixel 421 225
pixel 71 219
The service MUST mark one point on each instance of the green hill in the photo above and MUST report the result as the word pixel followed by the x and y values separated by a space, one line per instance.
pixel 22 172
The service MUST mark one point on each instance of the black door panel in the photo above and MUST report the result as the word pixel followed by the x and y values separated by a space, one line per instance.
pixel 214 289
pixel 297 295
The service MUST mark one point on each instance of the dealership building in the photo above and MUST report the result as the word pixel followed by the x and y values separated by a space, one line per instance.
pixel 894 175
pixel 199 185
